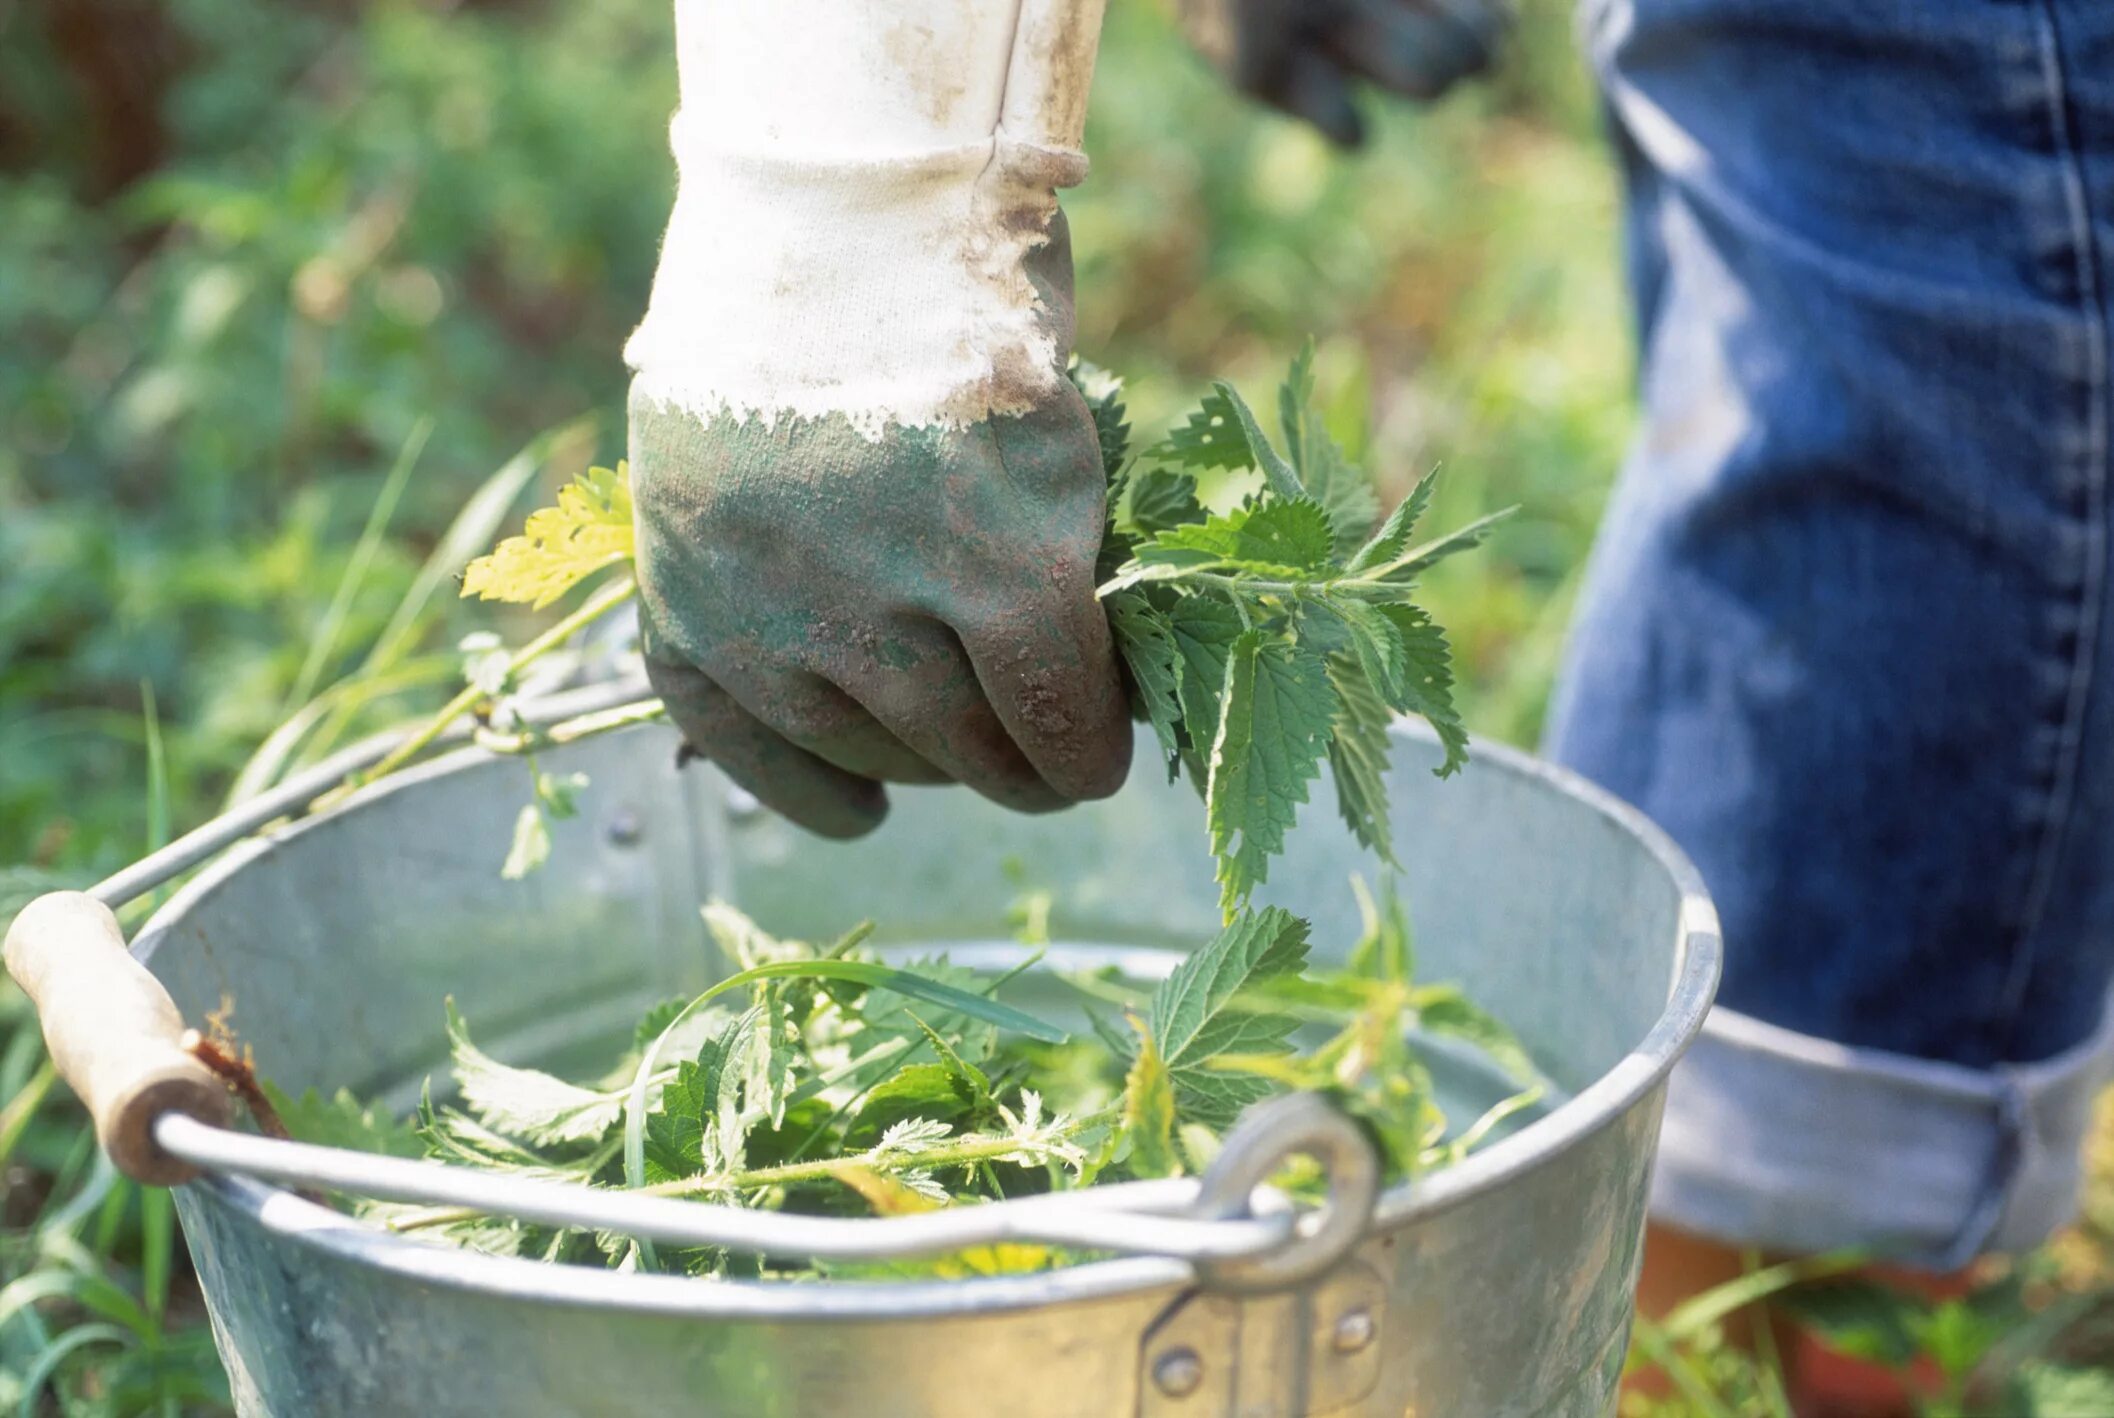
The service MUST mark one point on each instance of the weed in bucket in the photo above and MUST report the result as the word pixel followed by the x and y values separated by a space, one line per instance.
pixel 1269 629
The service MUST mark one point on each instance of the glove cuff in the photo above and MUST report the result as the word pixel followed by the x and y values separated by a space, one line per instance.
pixel 866 257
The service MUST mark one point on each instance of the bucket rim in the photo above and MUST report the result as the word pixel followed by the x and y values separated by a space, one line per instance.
pixel 286 1216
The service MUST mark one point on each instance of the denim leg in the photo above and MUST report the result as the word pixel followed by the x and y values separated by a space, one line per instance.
pixel 1846 634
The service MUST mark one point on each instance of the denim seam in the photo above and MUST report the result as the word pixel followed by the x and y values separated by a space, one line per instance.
pixel 2060 799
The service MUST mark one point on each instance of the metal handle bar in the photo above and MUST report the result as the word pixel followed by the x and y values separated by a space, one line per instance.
pixel 1096 1218
pixel 114 1035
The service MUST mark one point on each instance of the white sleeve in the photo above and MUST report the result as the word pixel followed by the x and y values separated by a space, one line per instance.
pixel 860 181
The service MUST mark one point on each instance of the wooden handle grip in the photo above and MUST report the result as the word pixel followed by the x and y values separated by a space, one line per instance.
pixel 113 1031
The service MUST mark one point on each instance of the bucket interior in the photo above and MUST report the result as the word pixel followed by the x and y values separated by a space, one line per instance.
pixel 337 941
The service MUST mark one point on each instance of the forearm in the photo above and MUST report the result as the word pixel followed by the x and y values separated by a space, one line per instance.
pixel 861 183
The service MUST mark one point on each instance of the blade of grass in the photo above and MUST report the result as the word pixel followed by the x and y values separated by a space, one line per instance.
pixel 1693 1316
pixel 157 778
pixel 157 1230
pixel 325 640
pixel 56 1353
pixel 21 1109
pixel 282 747
pixel 1654 1343
pixel 470 534
pixel 91 1292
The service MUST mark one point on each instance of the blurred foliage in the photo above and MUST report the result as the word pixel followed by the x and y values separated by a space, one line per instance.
pixel 255 258
pixel 240 265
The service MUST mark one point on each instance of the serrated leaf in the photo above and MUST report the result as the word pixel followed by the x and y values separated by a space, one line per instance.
pixel 1290 539
pixel 1426 686
pixel 560 546
pixel 920 1090
pixel 1204 629
pixel 1254 946
pixel 1409 564
pixel 1160 499
pixel 1358 756
pixel 1149 1112
pixel 1103 394
pixel 1294 397
pixel 524 1102
pixel 1192 1020
pixel 1146 641
pixel 1327 473
pixel 1374 641
pixel 1276 713
pixel 1211 439
pixel 675 1129
pixel 1393 537
pixel 766 1056
pixel 1280 476
pixel 656 1020
pixel 1342 488
pixel 342 1120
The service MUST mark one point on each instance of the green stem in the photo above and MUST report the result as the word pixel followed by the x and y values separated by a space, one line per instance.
pixel 596 606
pixel 963 1151
pixel 565 731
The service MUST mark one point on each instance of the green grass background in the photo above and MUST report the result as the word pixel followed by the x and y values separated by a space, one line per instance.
pixel 252 256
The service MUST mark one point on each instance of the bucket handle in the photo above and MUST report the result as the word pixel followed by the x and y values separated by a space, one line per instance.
pixel 164 1118
pixel 114 1034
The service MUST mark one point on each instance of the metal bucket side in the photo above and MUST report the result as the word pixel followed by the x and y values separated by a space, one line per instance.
pixel 317 1315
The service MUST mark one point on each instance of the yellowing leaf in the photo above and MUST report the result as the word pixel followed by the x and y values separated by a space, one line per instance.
pixel 561 546
pixel 1148 1112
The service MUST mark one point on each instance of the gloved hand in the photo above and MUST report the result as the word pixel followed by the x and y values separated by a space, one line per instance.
pixel 869 501
pixel 1304 57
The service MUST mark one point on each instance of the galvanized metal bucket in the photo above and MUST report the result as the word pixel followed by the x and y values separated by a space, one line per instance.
pixel 1499 1286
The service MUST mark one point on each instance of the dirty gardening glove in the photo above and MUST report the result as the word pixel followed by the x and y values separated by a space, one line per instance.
pixel 869 501
pixel 1305 56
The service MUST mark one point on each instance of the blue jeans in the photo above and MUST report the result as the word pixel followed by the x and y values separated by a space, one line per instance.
pixel 1848 632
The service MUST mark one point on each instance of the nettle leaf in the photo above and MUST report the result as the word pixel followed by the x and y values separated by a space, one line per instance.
pixel 1426 686
pixel 1282 479
pixel 1358 756
pixel 765 1054
pixel 1278 710
pixel 525 1102
pixel 1374 642
pixel 1146 641
pixel 1212 439
pixel 1290 539
pixel 1341 487
pixel 1407 566
pixel 342 1120
pixel 1103 393
pixel 1191 1020
pixel 1149 1111
pixel 1204 629
pixel 1330 478
pixel 675 1129
pixel 656 1020
pixel 560 546
pixel 1160 499
pixel 1393 537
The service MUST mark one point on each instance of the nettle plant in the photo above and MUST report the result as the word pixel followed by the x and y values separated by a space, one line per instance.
pixel 1269 628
